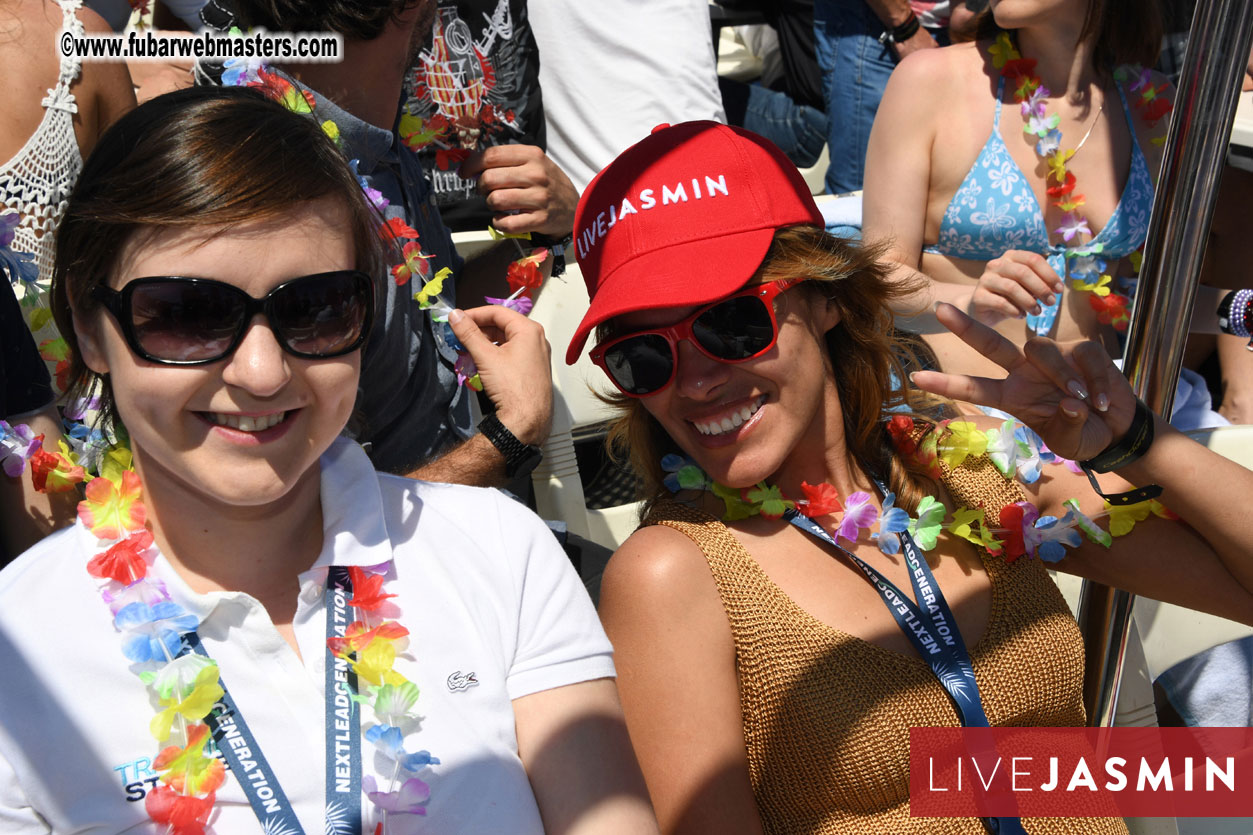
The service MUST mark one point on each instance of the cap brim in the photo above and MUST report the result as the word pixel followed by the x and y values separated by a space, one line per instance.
pixel 687 274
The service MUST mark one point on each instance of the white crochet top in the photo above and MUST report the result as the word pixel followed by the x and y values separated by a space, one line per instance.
pixel 38 179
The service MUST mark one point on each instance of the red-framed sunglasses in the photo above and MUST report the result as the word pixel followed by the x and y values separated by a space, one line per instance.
pixel 735 329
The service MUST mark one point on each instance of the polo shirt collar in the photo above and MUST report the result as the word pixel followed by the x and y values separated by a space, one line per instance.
pixel 368 144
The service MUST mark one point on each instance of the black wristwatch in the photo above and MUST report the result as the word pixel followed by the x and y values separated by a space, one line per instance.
pixel 520 458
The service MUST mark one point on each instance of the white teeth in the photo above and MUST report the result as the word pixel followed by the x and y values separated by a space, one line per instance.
pixel 248 424
pixel 726 424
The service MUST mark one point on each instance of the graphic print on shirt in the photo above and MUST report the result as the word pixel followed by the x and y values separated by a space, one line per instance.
pixel 474 85
pixel 138 777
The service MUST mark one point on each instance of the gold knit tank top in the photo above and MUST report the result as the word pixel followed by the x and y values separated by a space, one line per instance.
pixel 826 715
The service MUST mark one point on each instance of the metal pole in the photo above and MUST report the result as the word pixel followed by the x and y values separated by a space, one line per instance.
pixel 1196 147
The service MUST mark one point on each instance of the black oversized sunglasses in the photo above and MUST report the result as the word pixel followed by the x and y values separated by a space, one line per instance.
pixel 174 320
pixel 735 329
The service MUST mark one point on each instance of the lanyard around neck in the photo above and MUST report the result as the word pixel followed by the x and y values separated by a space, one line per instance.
pixel 247 762
pixel 933 632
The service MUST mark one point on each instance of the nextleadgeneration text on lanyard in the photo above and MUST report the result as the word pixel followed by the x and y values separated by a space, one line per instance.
pixel 243 754
pixel 934 633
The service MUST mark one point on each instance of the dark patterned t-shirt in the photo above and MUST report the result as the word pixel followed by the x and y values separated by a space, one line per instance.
pixel 475 84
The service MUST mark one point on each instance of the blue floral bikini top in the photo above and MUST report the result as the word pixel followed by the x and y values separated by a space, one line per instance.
pixel 995 210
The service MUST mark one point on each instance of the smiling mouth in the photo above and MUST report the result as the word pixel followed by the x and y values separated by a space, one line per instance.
pixel 245 423
pixel 731 421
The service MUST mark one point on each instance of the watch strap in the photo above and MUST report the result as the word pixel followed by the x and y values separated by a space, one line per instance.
pixel 520 458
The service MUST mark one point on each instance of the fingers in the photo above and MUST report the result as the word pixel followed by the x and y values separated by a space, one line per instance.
pixel 980 390
pixel 1096 367
pixel 1014 285
pixel 499 156
pixel 506 323
pixel 979 336
pixel 1008 294
pixel 514 363
pixel 1044 354
pixel 1038 265
pixel 527 190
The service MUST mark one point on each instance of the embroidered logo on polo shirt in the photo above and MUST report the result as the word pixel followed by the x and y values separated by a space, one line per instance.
pixel 462 681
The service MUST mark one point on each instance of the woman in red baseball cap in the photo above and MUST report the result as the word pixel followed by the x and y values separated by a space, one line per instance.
pixel 876 567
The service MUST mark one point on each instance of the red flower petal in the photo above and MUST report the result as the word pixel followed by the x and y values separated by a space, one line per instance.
pixel 1011 539
pixel 1018 68
pixel 820 499
pixel 124 562
pixel 397 228
pixel 901 430
pixel 367 590
pixel 1065 188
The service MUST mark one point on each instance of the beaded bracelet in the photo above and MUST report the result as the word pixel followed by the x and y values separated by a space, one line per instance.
pixel 1235 314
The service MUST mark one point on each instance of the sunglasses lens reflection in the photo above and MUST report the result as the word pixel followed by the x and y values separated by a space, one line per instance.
pixel 183 321
pixel 320 315
pixel 641 364
pixel 737 329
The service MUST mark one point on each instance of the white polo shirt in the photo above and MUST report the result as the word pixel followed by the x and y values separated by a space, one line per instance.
pixel 483 588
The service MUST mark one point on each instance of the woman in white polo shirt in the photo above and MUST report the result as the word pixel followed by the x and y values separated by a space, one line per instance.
pixel 248 629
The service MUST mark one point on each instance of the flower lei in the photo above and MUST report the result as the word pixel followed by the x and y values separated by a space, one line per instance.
pixel 523 274
pixel 1017 529
pixel 1087 270
pixel 32 295
pixel 187 687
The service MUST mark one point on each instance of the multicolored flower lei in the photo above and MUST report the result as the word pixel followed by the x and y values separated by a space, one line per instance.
pixel 1086 268
pixel 187 687
pixel 33 296
pixel 1015 531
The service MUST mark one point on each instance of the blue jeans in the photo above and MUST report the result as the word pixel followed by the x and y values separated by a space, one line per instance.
pixel 800 131
pixel 855 69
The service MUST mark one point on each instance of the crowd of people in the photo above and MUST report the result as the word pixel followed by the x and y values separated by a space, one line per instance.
pixel 256 408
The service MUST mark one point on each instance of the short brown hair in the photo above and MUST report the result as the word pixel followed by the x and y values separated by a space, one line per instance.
pixel 867 355
pixel 204 156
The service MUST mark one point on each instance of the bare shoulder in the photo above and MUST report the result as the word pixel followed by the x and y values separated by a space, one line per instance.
pixel 658 586
pixel 658 563
pixel 93 22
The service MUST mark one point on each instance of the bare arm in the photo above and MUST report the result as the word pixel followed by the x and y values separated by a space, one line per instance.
pixel 897 183
pixel 574 745
pixel 106 84
pixel 677 676
pixel 1206 564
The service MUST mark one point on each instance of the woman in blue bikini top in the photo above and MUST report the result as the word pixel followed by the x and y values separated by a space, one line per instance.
pixel 991 242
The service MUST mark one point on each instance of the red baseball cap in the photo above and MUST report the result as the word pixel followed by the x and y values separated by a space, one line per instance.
pixel 683 217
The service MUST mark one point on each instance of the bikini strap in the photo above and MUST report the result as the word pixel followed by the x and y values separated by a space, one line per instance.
pixel 1000 91
pixel 1126 108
